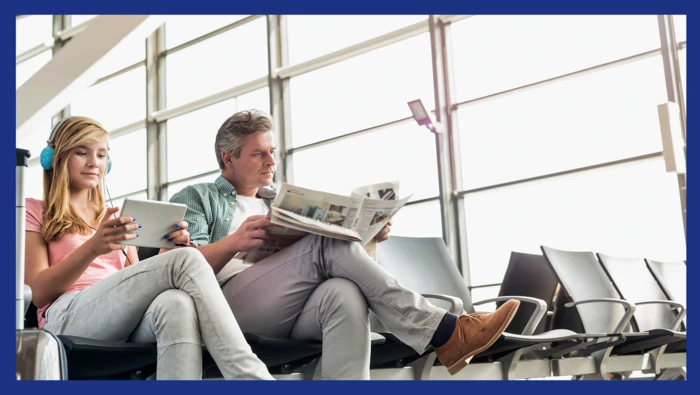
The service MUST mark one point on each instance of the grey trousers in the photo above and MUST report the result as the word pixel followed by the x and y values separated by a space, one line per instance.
pixel 172 299
pixel 320 288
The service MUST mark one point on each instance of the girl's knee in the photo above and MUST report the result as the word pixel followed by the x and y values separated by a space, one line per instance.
pixel 191 259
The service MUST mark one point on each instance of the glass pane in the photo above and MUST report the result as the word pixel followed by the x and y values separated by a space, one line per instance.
pixel 76 20
pixel 680 25
pixel 628 210
pixel 36 140
pixel 418 220
pixel 31 31
pixel 29 67
pixel 178 186
pixel 495 53
pixel 227 60
pixel 128 154
pixel 259 100
pixel 180 29
pixel 361 92
pixel 479 294
pixel 117 102
pixel 34 182
pixel 311 36
pixel 191 140
pixel 119 202
pixel 128 52
pixel 599 117
pixel 403 152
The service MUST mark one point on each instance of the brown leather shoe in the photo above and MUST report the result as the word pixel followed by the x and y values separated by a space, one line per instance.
pixel 473 334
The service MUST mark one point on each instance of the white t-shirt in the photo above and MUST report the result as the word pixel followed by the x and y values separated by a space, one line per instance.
pixel 245 207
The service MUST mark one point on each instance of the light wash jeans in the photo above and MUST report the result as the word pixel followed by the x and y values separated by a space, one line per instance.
pixel 172 299
pixel 320 288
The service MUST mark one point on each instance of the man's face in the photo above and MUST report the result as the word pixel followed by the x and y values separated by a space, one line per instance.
pixel 256 165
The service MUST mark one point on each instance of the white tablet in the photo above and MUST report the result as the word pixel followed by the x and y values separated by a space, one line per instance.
pixel 157 219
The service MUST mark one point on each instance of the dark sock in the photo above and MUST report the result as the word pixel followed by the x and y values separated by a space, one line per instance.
pixel 444 330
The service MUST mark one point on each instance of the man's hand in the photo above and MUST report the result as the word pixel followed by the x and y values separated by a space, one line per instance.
pixel 383 234
pixel 251 233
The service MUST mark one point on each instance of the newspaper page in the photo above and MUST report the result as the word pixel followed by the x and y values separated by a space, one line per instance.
pixel 298 211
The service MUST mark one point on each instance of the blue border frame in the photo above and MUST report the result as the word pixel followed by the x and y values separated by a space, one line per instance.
pixel 297 7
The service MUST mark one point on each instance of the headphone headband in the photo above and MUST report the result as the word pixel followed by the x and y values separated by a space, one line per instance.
pixel 55 129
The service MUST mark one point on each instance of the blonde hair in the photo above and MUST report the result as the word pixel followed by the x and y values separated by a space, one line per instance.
pixel 59 216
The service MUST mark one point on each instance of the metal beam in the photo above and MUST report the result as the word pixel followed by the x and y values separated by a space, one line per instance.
pixel 60 22
pixel 278 51
pixel 156 138
pixel 445 141
pixel 674 93
pixel 75 68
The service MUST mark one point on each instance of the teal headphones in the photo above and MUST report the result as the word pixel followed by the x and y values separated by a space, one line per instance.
pixel 46 156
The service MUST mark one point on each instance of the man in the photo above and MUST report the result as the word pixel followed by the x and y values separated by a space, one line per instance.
pixel 319 288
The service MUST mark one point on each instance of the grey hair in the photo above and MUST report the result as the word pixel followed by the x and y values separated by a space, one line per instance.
pixel 233 133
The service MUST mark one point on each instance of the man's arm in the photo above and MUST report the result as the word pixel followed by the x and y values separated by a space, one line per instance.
pixel 217 254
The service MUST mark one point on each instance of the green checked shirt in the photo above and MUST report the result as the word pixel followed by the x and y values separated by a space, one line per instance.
pixel 210 208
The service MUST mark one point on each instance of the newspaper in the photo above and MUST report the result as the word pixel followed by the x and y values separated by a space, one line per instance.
pixel 297 211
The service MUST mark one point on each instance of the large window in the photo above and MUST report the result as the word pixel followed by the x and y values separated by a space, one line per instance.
pixel 599 117
pixel 311 36
pixel 116 102
pixel 221 62
pixel 500 52
pixel 361 92
pixel 630 209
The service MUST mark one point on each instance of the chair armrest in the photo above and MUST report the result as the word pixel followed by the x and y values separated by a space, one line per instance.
pixel 540 310
pixel 681 313
pixel 27 298
pixel 629 309
pixel 456 305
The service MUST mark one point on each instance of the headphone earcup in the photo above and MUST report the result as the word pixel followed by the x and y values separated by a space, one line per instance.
pixel 109 165
pixel 46 158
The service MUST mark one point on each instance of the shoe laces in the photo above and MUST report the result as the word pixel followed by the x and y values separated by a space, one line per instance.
pixel 474 319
